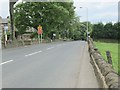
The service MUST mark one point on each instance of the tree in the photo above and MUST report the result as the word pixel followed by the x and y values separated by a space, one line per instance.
pixel 98 30
pixel 78 29
pixel 107 31
pixel 51 16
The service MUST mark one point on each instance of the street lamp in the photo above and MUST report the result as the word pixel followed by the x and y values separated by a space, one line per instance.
pixel 87 20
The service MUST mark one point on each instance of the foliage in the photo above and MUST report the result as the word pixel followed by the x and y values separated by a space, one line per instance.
pixel 50 15
pixel 97 30
pixel 107 31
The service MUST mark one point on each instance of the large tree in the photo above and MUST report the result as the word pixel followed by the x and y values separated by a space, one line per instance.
pixel 50 15
pixel 98 30
pixel 107 31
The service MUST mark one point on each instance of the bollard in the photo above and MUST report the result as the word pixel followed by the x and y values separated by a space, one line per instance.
pixel 109 58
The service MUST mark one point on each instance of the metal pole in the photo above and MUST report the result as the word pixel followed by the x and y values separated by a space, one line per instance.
pixel 41 38
pixel 38 38
pixel 87 23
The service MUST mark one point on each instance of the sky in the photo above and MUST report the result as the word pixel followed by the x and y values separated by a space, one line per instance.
pixel 98 10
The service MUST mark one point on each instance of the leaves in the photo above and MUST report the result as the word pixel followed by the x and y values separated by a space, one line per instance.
pixel 107 31
pixel 51 15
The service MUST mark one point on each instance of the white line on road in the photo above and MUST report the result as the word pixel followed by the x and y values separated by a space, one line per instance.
pixel 50 48
pixel 32 53
pixel 6 62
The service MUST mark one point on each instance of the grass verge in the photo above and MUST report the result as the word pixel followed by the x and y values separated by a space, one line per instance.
pixel 113 48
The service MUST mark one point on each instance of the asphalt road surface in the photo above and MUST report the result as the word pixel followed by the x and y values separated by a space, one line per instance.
pixel 53 65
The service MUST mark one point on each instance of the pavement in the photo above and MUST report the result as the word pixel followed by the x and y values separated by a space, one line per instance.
pixel 53 65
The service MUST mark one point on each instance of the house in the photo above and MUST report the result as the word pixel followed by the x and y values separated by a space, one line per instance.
pixel 0 25
pixel 5 31
pixel 0 30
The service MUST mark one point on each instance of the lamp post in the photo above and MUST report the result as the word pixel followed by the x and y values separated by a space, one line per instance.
pixel 87 20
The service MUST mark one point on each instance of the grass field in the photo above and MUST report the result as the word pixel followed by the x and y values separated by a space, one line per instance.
pixel 113 48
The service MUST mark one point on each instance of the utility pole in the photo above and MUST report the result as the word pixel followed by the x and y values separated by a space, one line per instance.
pixel 87 21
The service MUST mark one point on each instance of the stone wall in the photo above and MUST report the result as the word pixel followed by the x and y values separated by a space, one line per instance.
pixel 106 75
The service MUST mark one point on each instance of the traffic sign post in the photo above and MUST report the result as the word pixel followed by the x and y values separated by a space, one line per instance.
pixel 40 33
pixel 41 38
pixel 38 38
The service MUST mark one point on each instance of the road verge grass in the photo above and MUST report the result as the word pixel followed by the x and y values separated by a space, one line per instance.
pixel 113 48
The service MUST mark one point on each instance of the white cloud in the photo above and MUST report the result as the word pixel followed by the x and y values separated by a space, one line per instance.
pixel 94 5
pixel 104 10
pixel 96 0
pixel 108 14
pixel 98 11
pixel 4 8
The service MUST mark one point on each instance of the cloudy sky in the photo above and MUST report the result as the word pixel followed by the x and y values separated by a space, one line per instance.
pixel 98 10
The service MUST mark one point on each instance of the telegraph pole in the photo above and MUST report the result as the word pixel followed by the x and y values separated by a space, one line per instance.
pixel 87 21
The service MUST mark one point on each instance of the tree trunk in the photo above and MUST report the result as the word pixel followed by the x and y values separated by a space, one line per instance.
pixel 11 4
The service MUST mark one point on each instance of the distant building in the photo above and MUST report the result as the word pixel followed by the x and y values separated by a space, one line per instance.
pixel 0 20
pixel 0 27
pixel 5 23
pixel 4 27
pixel 0 23
pixel 119 11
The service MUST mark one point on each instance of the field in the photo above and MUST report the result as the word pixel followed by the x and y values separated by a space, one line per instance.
pixel 113 48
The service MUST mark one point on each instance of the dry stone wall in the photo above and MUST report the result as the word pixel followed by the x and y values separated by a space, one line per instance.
pixel 106 75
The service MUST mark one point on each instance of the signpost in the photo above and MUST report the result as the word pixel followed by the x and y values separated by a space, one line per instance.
pixel 40 33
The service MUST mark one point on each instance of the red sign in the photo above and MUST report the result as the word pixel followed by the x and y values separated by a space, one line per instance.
pixel 40 29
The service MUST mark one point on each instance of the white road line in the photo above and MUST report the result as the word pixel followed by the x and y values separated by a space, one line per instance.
pixel 32 53
pixel 6 62
pixel 50 48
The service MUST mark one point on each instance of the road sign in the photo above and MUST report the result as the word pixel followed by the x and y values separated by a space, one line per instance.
pixel 40 29
pixel 40 33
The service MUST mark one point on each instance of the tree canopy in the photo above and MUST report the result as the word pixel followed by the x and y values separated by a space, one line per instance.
pixel 107 31
pixel 52 16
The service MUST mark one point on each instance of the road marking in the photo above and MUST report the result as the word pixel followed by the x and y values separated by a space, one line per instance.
pixel 33 53
pixel 6 62
pixel 50 48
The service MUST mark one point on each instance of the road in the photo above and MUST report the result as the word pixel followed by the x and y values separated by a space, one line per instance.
pixel 53 65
